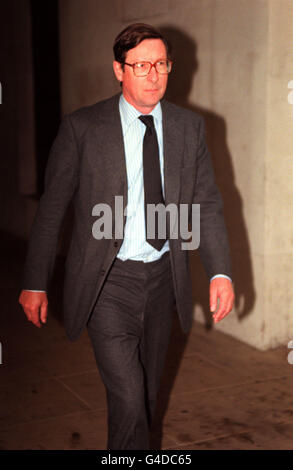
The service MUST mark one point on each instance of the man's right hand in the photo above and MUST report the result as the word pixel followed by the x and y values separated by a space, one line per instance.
pixel 35 306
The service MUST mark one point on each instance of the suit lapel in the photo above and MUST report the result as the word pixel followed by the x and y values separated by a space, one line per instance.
pixel 109 129
pixel 173 151
pixel 113 142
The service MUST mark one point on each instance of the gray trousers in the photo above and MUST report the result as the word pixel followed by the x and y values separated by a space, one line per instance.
pixel 129 330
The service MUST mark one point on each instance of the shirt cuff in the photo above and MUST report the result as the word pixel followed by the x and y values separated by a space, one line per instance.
pixel 221 275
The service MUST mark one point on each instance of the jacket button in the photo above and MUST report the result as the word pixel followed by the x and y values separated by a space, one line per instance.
pixel 115 243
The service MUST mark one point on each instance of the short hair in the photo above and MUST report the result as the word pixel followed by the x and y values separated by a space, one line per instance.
pixel 132 36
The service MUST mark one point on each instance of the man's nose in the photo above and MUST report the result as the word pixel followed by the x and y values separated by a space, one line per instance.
pixel 153 74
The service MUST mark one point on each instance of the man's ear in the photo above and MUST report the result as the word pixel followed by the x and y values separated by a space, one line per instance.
pixel 117 67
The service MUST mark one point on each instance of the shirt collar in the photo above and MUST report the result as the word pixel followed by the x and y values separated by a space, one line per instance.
pixel 130 113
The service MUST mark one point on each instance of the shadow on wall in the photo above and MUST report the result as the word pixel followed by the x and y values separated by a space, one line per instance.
pixel 179 87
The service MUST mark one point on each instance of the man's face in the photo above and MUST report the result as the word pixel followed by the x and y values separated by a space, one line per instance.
pixel 143 92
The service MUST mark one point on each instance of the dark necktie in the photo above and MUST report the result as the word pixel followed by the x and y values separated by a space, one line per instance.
pixel 153 193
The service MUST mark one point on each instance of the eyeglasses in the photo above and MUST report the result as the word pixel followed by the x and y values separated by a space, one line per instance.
pixel 141 69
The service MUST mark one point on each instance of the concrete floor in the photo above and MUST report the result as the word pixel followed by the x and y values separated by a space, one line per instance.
pixel 216 393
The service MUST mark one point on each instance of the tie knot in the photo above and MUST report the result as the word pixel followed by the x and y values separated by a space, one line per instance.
pixel 148 120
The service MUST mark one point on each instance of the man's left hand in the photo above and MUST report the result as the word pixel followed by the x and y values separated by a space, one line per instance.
pixel 222 289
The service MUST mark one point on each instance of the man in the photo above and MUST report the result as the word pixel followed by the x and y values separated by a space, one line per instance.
pixel 123 288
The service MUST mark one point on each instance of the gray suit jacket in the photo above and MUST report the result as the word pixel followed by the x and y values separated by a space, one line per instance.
pixel 87 165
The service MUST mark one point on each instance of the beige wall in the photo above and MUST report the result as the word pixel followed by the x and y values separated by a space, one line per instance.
pixel 278 306
pixel 233 64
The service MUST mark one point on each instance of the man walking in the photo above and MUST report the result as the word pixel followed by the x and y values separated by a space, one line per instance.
pixel 124 288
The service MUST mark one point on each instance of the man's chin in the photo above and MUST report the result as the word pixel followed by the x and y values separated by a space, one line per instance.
pixel 152 98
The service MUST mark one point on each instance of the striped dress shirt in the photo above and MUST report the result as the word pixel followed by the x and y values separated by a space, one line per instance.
pixel 134 245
